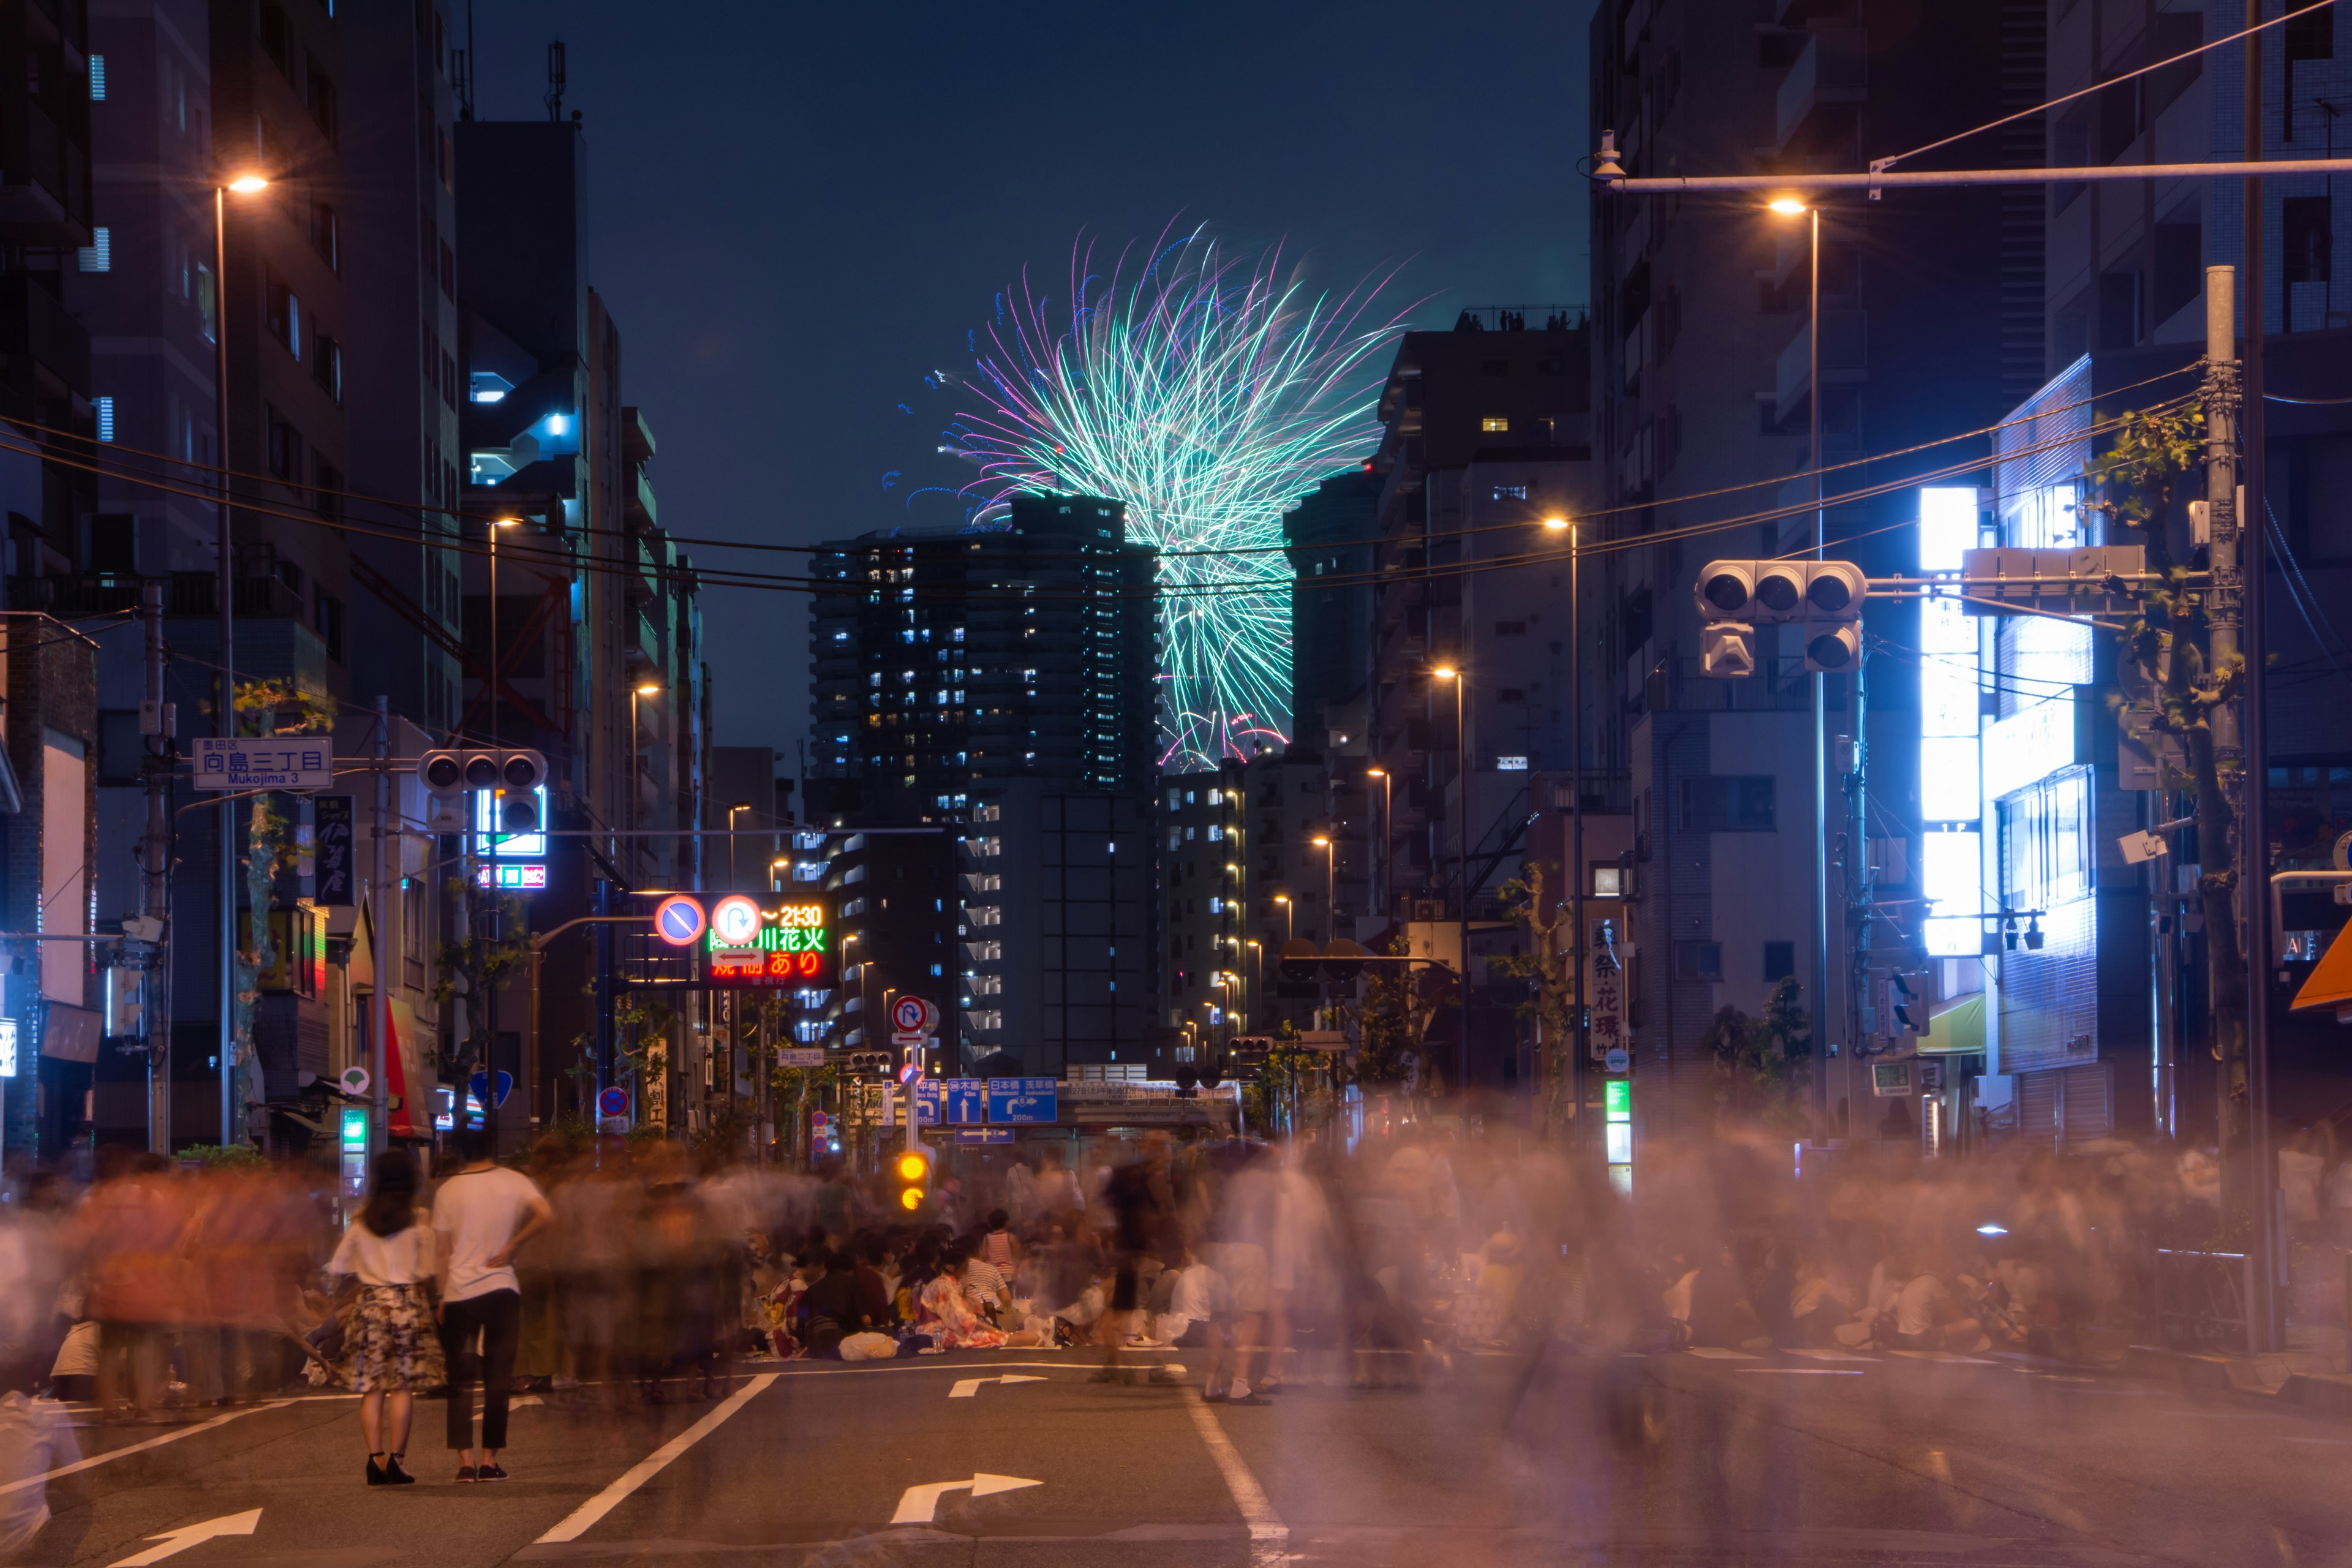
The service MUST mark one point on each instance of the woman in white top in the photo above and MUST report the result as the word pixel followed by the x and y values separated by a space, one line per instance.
pixel 391 1256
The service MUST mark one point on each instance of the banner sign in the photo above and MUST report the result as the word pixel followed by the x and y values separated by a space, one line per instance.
pixel 235 762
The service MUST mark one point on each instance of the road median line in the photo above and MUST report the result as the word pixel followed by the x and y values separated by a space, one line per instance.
pixel 1269 1537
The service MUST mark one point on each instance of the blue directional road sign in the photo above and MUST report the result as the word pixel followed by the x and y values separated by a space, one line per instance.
pixel 984 1134
pixel 1023 1101
pixel 927 1095
pixel 967 1099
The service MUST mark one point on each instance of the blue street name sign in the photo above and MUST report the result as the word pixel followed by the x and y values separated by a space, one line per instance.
pixel 1023 1101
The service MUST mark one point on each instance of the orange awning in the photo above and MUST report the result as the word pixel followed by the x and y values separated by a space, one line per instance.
pixel 2330 985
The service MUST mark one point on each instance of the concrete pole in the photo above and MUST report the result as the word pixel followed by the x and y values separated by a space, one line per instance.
pixel 225 716
pixel 380 916
pixel 1821 1002
pixel 155 881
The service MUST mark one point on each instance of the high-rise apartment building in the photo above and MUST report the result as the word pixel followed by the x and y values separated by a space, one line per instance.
pixel 998 680
pixel 1486 432
pixel 1928 327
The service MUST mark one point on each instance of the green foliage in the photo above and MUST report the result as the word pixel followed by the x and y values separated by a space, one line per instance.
pixel 1549 970
pixel 1762 1065
pixel 1393 1024
pixel 220 1157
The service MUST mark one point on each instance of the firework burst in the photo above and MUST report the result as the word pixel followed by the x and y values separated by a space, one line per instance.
pixel 1208 393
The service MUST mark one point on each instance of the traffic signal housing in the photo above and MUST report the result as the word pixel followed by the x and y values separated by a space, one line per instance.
pixel 911 1178
pixel 1736 596
pixel 452 779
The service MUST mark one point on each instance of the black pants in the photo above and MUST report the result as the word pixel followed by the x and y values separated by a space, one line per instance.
pixel 498 1319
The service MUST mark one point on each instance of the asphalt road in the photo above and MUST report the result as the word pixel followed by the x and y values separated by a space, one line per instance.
pixel 1779 1459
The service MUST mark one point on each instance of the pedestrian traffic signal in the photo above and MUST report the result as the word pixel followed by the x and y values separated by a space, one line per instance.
pixel 910 1174
pixel 452 779
pixel 1736 596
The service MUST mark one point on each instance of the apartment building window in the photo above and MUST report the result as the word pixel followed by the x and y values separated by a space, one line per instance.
pixel 1728 803
pixel 448 379
pixel 320 92
pixel 1502 492
pixel 1701 961
pixel 208 306
pixel 103 407
pixel 285 317
pixel 2119 318
pixel 327 495
pixel 326 614
pixel 2307 258
pixel 276 40
pixel 449 270
pixel 327 365
pixel 2310 33
pixel 285 447
pixel 325 234
pixel 98 256
pixel 2178 264
pixel 1495 424
pixel 1780 960
pixel 98 78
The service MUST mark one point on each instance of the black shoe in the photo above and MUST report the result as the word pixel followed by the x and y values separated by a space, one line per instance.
pixel 465 1472
pixel 490 1472
pixel 1252 1398
pixel 394 1475
pixel 376 1477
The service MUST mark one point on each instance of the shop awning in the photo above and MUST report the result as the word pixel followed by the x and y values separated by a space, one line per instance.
pixel 2330 985
pixel 1957 1030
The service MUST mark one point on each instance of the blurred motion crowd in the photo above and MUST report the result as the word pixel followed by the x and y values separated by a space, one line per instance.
pixel 155 1290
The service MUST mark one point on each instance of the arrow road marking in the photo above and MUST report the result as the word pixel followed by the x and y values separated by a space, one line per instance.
pixel 178 1541
pixel 920 1505
pixel 969 1387
pixel 575 1523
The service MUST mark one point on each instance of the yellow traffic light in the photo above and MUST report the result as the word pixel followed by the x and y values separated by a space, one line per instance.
pixel 913 1170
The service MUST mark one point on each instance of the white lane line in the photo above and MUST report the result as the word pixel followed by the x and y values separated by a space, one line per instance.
pixel 1269 1537
pixel 576 1523
pixel 123 1453
pixel 1801 1371
pixel 869 1369
pixel 2323 1442
pixel 1711 1353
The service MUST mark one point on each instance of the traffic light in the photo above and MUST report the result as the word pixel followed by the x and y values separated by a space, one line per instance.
pixel 1300 962
pixel 911 1174
pixel 452 778
pixel 1736 596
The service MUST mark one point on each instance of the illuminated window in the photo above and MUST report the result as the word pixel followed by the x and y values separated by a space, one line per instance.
pixel 98 256
pixel 98 78
pixel 104 409
pixel 1495 424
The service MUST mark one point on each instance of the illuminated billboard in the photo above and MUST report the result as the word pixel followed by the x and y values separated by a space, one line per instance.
pixel 790 945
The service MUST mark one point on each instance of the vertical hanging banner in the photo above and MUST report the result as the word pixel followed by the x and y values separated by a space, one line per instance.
pixel 1604 996
pixel 331 848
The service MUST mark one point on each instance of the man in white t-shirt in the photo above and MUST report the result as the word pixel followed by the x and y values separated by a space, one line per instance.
pixel 481 1217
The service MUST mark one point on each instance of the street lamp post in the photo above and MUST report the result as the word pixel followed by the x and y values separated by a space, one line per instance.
pixel 1257 981
pixel 1290 924
pixel 1789 206
pixel 1461 894
pixel 636 756
pixel 1388 900
pixel 1579 1042
pixel 244 185
pixel 1330 888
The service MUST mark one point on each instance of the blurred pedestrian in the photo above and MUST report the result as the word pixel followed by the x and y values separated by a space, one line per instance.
pixel 391 1257
pixel 480 1216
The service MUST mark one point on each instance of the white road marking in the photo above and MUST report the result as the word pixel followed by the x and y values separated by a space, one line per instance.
pixel 1832 1355
pixel 1269 1537
pixel 2323 1442
pixel 1801 1371
pixel 178 1541
pixel 113 1453
pixel 1711 1353
pixel 920 1504
pixel 969 1387
pixel 577 1523
pixel 1952 1358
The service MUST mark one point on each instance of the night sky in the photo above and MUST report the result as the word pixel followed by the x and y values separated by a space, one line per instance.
pixel 796 211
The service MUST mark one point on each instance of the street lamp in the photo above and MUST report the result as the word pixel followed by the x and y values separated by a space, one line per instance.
pixel 1388 827
pixel 1461 886
pixel 1258 982
pixel 739 805
pixel 1289 925
pixel 1330 888
pixel 496 523
pixel 1578 1047
pixel 248 184
pixel 1790 207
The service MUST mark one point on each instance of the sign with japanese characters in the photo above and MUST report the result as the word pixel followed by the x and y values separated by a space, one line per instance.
pixel 967 1099
pixel 283 761
pixel 331 848
pixel 1023 1101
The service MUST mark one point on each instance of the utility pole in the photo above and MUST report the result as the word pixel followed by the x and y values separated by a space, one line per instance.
pixel 155 879
pixel 1819 683
pixel 380 917
pixel 2268 1239
pixel 225 716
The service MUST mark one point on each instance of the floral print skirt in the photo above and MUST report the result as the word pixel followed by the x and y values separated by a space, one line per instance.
pixel 388 1333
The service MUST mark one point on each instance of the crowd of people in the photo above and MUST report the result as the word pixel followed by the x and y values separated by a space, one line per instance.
pixel 626 1272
